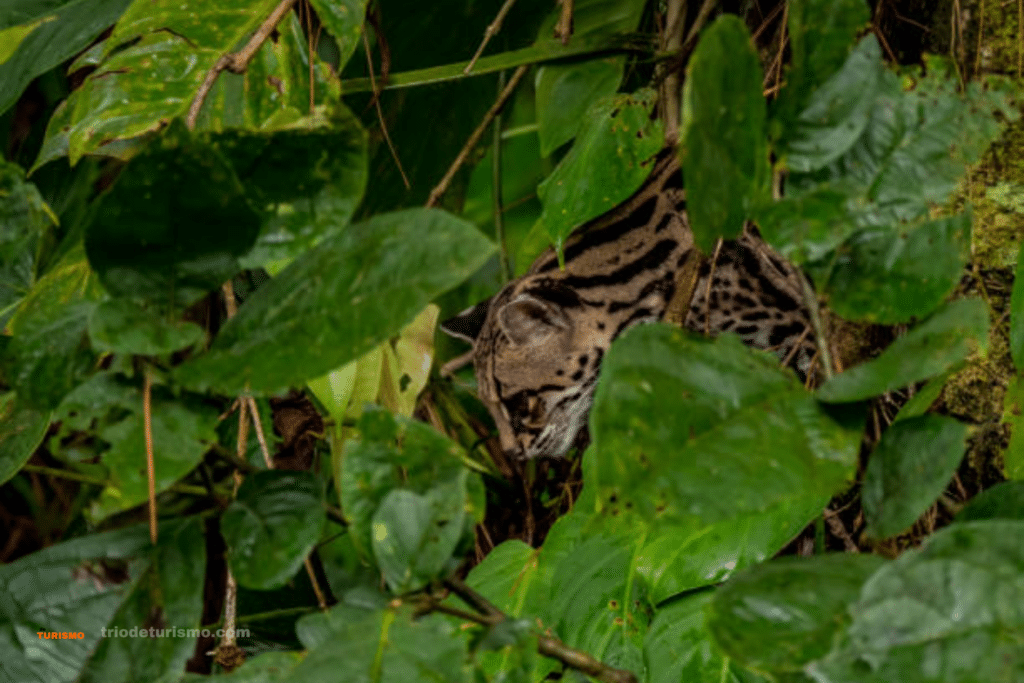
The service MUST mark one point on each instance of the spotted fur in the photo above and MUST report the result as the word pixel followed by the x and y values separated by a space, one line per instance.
pixel 538 343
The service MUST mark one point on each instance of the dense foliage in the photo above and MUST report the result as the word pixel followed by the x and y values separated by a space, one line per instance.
pixel 132 228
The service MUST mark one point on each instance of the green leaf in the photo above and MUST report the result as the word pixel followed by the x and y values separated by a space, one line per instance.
pixel 25 223
pixel 681 556
pixel 889 277
pixel 598 602
pixel 1003 501
pixel 924 397
pixel 820 35
pixel 908 470
pixel 344 20
pixel 182 431
pixel 1013 414
pixel 21 431
pixel 725 161
pixel 422 461
pixel 566 91
pixel 686 428
pixel 679 647
pixel 838 112
pixel 947 612
pixel 343 297
pixel 159 234
pixel 783 614
pixel 611 158
pixel 121 326
pixel 47 34
pixel 114 579
pixel 381 645
pixel 49 356
pixel 1017 315
pixel 171 588
pixel 934 346
pixel 913 151
pixel 414 537
pixel 807 227
pixel 271 527
pixel 307 183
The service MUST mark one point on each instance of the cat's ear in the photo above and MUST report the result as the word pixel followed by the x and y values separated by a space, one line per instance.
pixel 467 325
pixel 528 319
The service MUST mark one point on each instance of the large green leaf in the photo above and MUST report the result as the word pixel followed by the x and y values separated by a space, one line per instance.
pixel 566 91
pixel 820 35
pixel 388 645
pixel 611 158
pixel 37 36
pixel 689 428
pixel 414 536
pixel 182 432
pixel 1003 501
pixel 887 276
pixel 49 356
pixel 307 180
pixel 725 155
pixel 679 646
pixel 160 234
pixel 111 580
pixel 506 577
pixel 271 527
pixel 400 454
pixel 168 598
pixel 340 299
pixel 934 346
pixel 808 227
pixel 684 555
pixel 21 431
pixel 783 614
pixel 913 149
pixel 122 326
pixel 151 67
pixel 910 467
pixel 949 612
pixel 25 223
pixel 838 112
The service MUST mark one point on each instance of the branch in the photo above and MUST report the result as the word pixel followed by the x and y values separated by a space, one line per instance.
pixel 237 62
pixel 498 105
pixel 546 645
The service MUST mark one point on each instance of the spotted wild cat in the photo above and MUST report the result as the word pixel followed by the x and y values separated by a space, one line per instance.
pixel 538 343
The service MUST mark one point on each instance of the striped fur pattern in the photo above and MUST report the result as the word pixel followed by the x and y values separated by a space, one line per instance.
pixel 538 343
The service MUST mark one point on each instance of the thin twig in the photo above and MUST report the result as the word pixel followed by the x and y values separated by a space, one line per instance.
pixel 563 29
pixel 707 289
pixel 702 18
pixel 546 645
pixel 471 143
pixel 238 61
pixel 582 661
pixel 981 34
pixel 490 32
pixel 672 43
pixel 811 302
pixel 321 600
pixel 254 411
pixel 499 218
pixel 147 420
pixel 380 113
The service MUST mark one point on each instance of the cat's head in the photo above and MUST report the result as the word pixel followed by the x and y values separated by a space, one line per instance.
pixel 537 355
